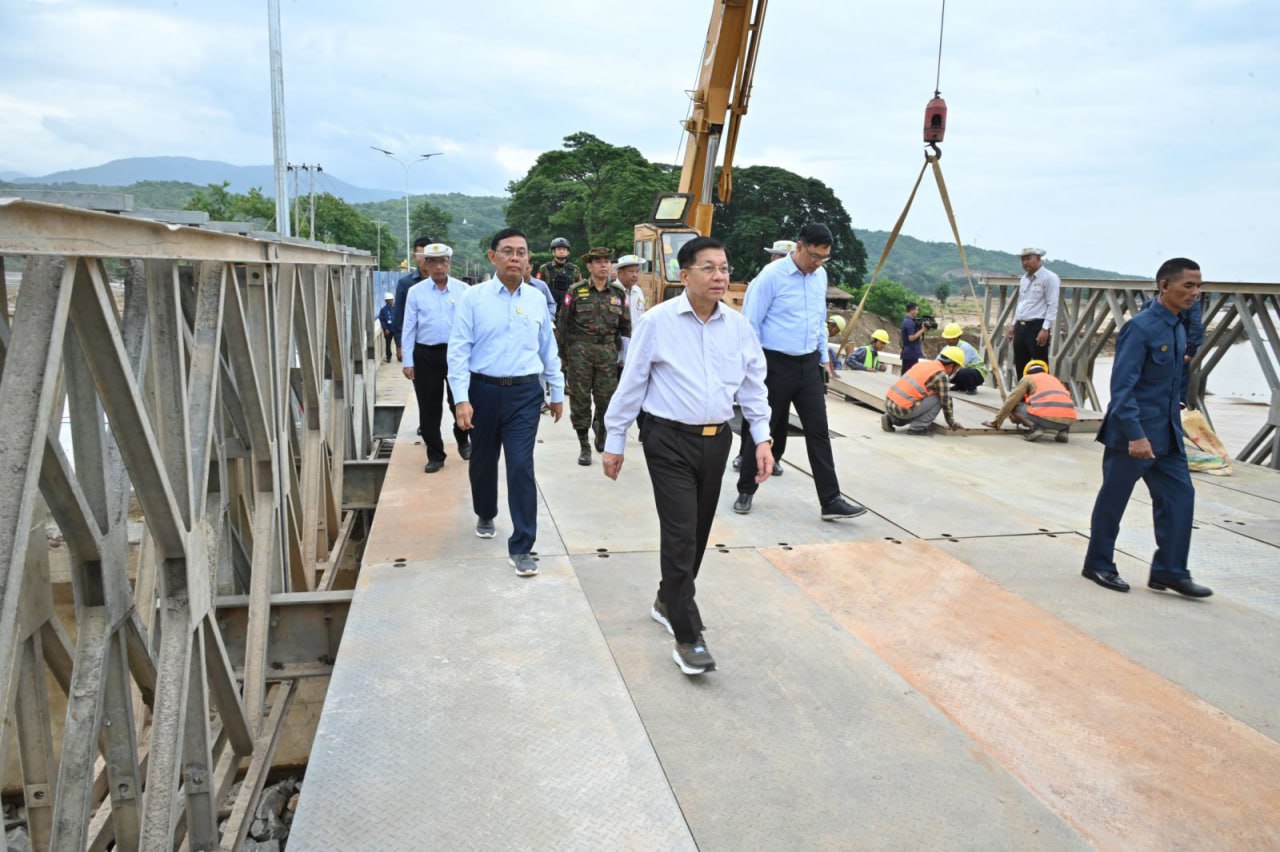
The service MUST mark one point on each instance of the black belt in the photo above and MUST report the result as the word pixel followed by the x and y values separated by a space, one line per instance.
pixel 504 380
pixel 806 356
pixel 1024 322
pixel 708 431
pixel 589 338
pixel 432 345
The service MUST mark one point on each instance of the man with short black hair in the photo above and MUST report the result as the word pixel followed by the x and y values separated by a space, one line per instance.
pixel 786 304
pixel 502 342
pixel 912 331
pixel 687 362
pixel 1142 434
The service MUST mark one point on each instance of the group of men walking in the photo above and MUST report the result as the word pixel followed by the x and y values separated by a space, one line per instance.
pixel 506 348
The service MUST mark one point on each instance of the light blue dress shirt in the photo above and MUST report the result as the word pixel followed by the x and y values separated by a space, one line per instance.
pixel 682 369
pixel 788 309
pixel 501 334
pixel 428 315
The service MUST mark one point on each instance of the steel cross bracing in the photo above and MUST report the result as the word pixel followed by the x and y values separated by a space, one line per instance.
pixel 215 396
pixel 1090 313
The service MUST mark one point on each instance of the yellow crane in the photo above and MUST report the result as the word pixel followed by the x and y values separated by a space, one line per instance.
pixel 719 103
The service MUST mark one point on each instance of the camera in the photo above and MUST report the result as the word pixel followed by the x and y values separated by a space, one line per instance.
pixel 929 323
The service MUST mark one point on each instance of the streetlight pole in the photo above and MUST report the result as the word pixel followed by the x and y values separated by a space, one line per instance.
pixel 408 244
pixel 379 223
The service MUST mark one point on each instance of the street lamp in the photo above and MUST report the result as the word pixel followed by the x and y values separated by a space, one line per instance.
pixel 408 244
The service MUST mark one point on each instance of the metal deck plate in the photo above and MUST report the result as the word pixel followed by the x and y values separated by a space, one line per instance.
pixel 470 709
pixel 802 739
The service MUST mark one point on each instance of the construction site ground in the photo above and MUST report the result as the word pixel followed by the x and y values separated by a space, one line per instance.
pixel 933 675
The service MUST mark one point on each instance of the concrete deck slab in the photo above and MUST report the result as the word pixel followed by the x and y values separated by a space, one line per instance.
pixel 498 721
pixel 801 739
pixel 1164 633
pixel 1125 756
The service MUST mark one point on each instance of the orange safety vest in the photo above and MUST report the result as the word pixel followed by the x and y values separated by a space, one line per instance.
pixel 910 388
pixel 1048 398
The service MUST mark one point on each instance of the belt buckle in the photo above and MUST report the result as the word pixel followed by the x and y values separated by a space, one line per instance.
pixel 505 381
pixel 710 431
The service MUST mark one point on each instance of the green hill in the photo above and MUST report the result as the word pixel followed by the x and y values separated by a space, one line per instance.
pixel 475 219
pixel 921 265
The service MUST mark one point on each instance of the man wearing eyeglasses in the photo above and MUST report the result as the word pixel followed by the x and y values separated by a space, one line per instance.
pixel 502 343
pixel 786 304
pixel 428 322
pixel 687 362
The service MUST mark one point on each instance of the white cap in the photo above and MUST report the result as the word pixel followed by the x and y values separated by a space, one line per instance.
pixel 631 260
pixel 390 297
pixel 1029 251
pixel 781 247
pixel 436 250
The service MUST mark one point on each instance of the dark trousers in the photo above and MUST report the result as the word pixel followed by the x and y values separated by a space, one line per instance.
pixel 505 420
pixel 387 340
pixel 1173 499
pixel 908 361
pixel 794 380
pixel 686 471
pixel 430 377
pixel 1025 347
pixel 966 379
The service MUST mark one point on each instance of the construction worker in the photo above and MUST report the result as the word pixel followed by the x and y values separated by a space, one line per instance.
pixel 561 273
pixel 594 317
pixel 835 328
pixel 1037 309
pixel 1040 402
pixel 867 358
pixel 973 374
pixel 387 319
pixel 916 398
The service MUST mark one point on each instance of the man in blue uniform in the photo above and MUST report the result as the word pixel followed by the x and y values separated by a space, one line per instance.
pixel 387 319
pixel 1142 432
pixel 912 331
pixel 502 342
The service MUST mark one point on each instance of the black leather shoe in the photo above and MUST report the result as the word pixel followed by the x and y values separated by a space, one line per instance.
pixel 1184 586
pixel 1106 579
pixel 842 508
pixel 433 466
pixel 464 450
pixel 743 504
pixel 777 469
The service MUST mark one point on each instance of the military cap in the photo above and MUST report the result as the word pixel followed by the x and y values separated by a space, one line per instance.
pixel 598 254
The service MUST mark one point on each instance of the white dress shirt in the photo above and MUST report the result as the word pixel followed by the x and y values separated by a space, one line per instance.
pixel 1038 297
pixel 683 369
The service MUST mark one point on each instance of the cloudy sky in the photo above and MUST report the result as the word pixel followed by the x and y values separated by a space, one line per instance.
pixel 1113 134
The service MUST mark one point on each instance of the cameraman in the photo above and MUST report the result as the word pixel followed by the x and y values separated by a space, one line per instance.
pixel 912 332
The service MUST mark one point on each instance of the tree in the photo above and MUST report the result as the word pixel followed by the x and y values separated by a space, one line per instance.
pixel 888 299
pixel 592 193
pixel 943 292
pixel 429 220
pixel 224 206
pixel 771 204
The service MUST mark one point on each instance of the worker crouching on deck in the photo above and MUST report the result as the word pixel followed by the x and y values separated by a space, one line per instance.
pixel 973 372
pixel 1040 402
pixel 918 396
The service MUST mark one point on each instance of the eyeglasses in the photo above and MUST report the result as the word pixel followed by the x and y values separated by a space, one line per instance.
pixel 508 251
pixel 711 269
pixel 817 258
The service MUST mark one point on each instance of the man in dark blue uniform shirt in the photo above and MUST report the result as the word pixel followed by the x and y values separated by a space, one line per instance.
pixel 407 281
pixel 1142 433
pixel 387 319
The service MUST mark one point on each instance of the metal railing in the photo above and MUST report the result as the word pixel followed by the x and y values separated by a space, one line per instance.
pixel 1090 313
pixel 216 393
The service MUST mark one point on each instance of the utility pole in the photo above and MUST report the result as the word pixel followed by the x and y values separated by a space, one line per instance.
pixel 408 243
pixel 277 119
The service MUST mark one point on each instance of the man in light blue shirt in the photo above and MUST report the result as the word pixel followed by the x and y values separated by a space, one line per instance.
pixel 424 347
pixel 688 361
pixel 502 343
pixel 786 304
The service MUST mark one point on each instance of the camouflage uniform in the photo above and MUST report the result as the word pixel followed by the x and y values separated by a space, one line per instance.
pixel 589 329
pixel 559 277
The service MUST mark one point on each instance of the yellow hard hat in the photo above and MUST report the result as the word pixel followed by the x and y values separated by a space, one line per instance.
pixel 952 331
pixel 838 320
pixel 954 354
pixel 881 335
pixel 1035 363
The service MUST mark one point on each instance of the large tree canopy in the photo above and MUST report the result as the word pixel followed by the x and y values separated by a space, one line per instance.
pixel 771 204
pixel 592 193
pixel 429 220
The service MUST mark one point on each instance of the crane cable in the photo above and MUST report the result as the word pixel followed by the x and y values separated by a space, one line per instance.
pixel 937 80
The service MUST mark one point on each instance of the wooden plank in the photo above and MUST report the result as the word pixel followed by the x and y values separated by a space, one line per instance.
pixel 264 749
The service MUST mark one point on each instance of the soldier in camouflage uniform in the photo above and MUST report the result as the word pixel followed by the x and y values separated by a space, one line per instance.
pixel 560 274
pixel 594 317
